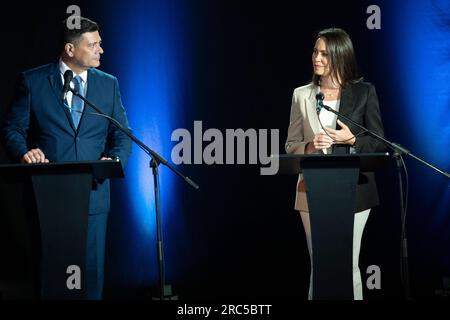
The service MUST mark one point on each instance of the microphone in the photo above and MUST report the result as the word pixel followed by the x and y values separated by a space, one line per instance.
pixel 319 105
pixel 68 76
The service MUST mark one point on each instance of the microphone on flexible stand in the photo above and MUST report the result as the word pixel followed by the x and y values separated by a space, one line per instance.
pixel 68 76
pixel 319 105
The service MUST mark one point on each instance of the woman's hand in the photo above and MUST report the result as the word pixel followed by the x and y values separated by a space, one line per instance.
pixel 343 135
pixel 320 141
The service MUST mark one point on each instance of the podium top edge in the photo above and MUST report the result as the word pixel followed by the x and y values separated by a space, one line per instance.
pixel 332 155
pixel 57 164
pixel 101 169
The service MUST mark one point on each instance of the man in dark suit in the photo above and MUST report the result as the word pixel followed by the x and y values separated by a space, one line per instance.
pixel 42 126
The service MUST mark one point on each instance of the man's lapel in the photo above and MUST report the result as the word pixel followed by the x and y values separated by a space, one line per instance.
pixel 55 80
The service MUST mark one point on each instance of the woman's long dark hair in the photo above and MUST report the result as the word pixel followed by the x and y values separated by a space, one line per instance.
pixel 342 60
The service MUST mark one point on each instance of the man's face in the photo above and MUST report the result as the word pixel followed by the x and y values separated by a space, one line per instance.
pixel 87 53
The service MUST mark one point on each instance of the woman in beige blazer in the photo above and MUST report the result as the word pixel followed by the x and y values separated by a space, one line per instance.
pixel 335 75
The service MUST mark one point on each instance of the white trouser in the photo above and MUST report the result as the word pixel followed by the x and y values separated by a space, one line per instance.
pixel 358 228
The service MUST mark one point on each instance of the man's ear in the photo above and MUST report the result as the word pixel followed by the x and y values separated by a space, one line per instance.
pixel 69 49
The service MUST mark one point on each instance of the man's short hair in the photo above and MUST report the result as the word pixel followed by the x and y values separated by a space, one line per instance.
pixel 74 35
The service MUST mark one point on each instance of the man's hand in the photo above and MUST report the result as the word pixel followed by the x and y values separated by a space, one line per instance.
pixel 34 156
pixel 343 135
pixel 105 158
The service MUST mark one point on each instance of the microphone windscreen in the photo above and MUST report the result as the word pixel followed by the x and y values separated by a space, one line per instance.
pixel 68 76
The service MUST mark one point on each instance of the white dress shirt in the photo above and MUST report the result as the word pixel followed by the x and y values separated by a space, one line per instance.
pixel 63 68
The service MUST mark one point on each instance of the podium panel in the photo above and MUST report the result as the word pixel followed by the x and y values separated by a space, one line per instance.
pixel 61 193
pixel 331 193
pixel 331 183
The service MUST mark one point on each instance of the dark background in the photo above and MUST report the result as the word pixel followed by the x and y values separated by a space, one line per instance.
pixel 240 237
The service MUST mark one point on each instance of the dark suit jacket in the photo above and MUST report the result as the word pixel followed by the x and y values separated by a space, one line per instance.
pixel 359 102
pixel 37 118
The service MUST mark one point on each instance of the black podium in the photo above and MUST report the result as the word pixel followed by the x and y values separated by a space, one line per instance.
pixel 330 183
pixel 61 192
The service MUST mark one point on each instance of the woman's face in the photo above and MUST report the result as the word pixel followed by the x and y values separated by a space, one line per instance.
pixel 320 58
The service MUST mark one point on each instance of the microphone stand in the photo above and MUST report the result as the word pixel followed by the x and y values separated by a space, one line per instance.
pixel 155 161
pixel 398 152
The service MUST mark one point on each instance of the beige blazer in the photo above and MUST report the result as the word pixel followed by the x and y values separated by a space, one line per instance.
pixel 303 126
